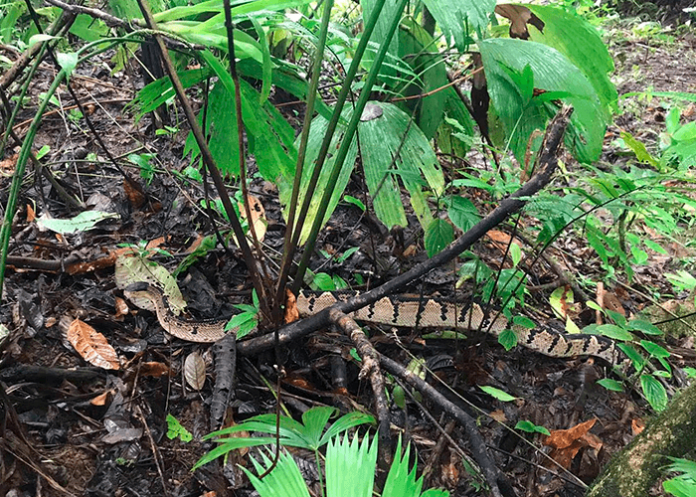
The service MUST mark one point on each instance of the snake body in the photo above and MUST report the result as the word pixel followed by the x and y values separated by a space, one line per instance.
pixel 401 312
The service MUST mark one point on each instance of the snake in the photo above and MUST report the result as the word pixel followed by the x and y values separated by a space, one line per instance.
pixel 402 312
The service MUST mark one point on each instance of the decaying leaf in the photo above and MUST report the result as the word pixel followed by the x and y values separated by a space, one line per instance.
pixel 567 443
pixel 258 216
pixel 100 400
pixel 134 192
pixel 291 312
pixel 130 268
pixel 155 369
pixel 194 370
pixel 519 17
pixel 121 307
pixel 92 345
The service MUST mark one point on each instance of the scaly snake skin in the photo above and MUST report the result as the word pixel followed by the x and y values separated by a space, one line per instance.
pixel 401 312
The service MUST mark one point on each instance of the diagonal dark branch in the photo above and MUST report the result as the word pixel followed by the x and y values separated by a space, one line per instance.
pixel 548 161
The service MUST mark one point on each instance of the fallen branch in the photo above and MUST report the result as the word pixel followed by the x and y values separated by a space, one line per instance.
pixel 548 162
pixel 499 484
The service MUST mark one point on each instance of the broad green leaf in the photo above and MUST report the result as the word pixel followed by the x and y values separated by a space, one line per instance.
pixel 89 28
pixel 462 212
pixel 507 339
pixel 419 50
pixel 438 235
pixel 638 148
pixel 515 254
pixel 579 41
pixel 610 384
pixel 381 139
pixel 654 349
pixel 552 72
pixel 615 332
pixel 285 476
pixel 460 19
pixel 350 464
pixel 530 427
pixel 654 392
pixel 638 360
pixel 524 321
pixel 67 61
pixel 84 221
pixel 680 487
pixel 270 136
pixel 497 393
pixel 175 430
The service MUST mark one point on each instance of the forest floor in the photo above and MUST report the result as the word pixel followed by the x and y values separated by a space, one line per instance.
pixel 102 432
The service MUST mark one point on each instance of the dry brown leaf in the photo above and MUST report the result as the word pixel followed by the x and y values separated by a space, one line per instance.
pixel 519 17
pixel 31 215
pixel 291 312
pixel 92 345
pixel 100 400
pixel 560 439
pixel 612 303
pixel 155 369
pixel 121 307
pixel 410 251
pixel 258 216
pixel 194 370
pixel 134 192
pixel 50 322
pixel 498 415
pixel 637 426
pixel 8 165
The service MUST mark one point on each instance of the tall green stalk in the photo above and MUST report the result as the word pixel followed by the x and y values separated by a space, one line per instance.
pixel 288 247
pixel 22 160
pixel 347 138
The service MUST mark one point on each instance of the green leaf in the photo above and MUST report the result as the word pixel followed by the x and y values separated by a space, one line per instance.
pixel 438 235
pixel 175 430
pixel 524 321
pixel 690 372
pixel 285 475
pixel 552 72
pixel 654 350
pixel 654 392
pixel 680 487
pixel 610 384
pixel 497 393
pixel 324 282
pixel 530 427
pixel 349 199
pixel 84 221
pixel 393 152
pixel 462 212
pixel 507 339
pixel 615 332
pixel 459 19
pixel 515 254
pixel 67 61
pixel 639 149
pixel 638 360
pixel 350 465
pixel 580 42
pixel 401 480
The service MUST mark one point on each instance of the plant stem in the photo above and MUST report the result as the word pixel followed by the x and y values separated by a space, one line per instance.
pixel 346 142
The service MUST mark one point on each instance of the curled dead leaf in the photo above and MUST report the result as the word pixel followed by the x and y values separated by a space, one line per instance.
pixel 92 345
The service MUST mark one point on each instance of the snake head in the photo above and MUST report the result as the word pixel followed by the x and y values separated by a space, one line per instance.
pixel 140 286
